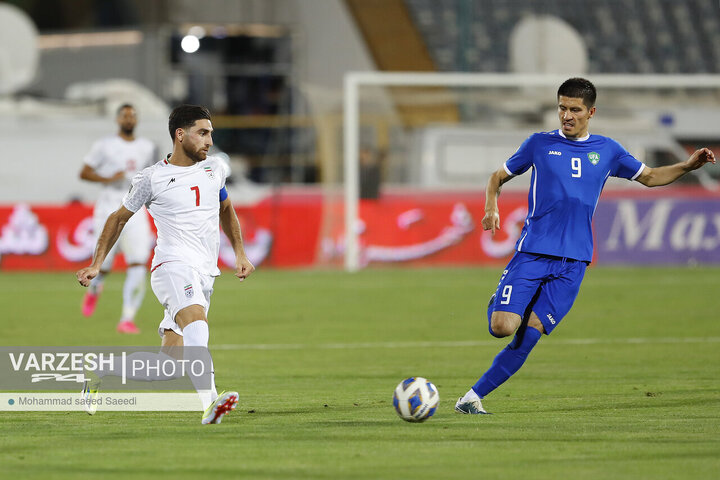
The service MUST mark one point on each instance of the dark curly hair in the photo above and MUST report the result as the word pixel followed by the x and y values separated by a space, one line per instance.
pixel 185 116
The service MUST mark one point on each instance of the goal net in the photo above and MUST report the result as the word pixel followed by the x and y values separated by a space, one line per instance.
pixel 450 131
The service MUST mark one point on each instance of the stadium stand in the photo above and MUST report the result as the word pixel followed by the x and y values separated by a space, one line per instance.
pixel 622 36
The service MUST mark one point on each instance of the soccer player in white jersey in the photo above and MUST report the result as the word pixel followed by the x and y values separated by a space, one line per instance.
pixel 186 196
pixel 569 170
pixel 113 161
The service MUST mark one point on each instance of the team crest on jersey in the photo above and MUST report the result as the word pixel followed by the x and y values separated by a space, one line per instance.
pixel 594 157
pixel 188 291
pixel 209 172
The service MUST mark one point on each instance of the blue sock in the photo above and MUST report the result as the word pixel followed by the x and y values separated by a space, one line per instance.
pixel 507 362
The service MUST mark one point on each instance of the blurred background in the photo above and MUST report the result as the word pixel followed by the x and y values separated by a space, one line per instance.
pixel 272 73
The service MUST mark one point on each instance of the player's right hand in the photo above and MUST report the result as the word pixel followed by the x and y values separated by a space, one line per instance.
pixel 86 274
pixel 491 221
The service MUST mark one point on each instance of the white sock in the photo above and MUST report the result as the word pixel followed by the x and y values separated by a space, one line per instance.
pixel 213 389
pixel 133 291
pixel 197 334
pixel 470 396
pixel 97 283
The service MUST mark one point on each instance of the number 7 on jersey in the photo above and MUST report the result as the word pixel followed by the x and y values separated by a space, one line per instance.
pixel 196 189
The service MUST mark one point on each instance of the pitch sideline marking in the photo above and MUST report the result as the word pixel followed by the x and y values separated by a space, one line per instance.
pixel 469 343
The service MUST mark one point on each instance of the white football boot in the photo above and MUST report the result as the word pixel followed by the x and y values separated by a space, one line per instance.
pixel 223 404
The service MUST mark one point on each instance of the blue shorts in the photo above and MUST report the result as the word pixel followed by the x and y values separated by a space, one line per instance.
pixel 543 284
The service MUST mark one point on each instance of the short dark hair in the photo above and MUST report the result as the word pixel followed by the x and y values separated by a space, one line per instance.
pixel 579 88
pixel 123 107
pixel 185 116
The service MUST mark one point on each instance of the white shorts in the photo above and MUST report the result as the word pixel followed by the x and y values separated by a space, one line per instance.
pixel 177 286
pixel 136 240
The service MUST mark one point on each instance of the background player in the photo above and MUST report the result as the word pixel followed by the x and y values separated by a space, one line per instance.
pixel 186 196
pixel 113 161
pixel 541 282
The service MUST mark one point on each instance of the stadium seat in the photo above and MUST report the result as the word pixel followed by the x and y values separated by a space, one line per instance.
pixel 622 36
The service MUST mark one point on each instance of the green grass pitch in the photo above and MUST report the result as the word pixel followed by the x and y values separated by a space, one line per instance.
pixel 628 387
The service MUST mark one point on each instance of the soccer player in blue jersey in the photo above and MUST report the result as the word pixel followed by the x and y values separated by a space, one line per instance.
pixel 569 169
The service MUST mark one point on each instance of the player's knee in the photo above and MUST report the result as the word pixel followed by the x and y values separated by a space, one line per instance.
pixel 503 324
pixel 190 314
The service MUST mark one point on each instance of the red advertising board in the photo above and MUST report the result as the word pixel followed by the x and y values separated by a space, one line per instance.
pixel 279 231
pixel 427 229
pixel 295 228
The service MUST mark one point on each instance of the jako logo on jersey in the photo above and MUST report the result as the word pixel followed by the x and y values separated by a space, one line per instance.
pixel 554 152
pixel 594 157
pixel 188 290
pixel 209 171
pixel 550 317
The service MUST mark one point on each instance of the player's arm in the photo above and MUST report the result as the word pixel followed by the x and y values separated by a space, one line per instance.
pixel 88 173
pixel 110 233
pixel 655 177
pixel 231 227
pixel 491 220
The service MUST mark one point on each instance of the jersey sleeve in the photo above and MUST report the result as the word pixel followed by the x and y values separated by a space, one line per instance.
pixel 95 156
pixel 625 165
pixel 522 159
pixel 140 191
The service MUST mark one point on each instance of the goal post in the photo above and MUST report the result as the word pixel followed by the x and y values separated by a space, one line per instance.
pixel 658 86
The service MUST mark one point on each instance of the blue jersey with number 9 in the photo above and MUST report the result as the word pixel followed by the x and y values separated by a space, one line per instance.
pixel 567 179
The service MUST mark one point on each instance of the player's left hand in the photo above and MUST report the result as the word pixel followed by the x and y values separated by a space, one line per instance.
pixel 243 268
pixel 700 158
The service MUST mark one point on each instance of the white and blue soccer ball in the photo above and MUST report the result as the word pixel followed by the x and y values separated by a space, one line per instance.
pixel 416 399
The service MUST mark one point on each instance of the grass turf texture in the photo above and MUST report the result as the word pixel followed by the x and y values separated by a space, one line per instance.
pixel 626 387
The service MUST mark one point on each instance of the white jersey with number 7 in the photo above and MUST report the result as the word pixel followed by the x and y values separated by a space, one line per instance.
pixel 184 202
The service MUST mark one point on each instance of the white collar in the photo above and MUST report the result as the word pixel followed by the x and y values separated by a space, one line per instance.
pixel 581 139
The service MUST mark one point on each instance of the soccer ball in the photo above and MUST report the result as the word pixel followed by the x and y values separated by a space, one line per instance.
pixel 416 399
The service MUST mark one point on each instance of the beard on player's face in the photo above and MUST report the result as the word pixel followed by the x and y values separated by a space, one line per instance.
pixel 127 121
pixel 196 154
